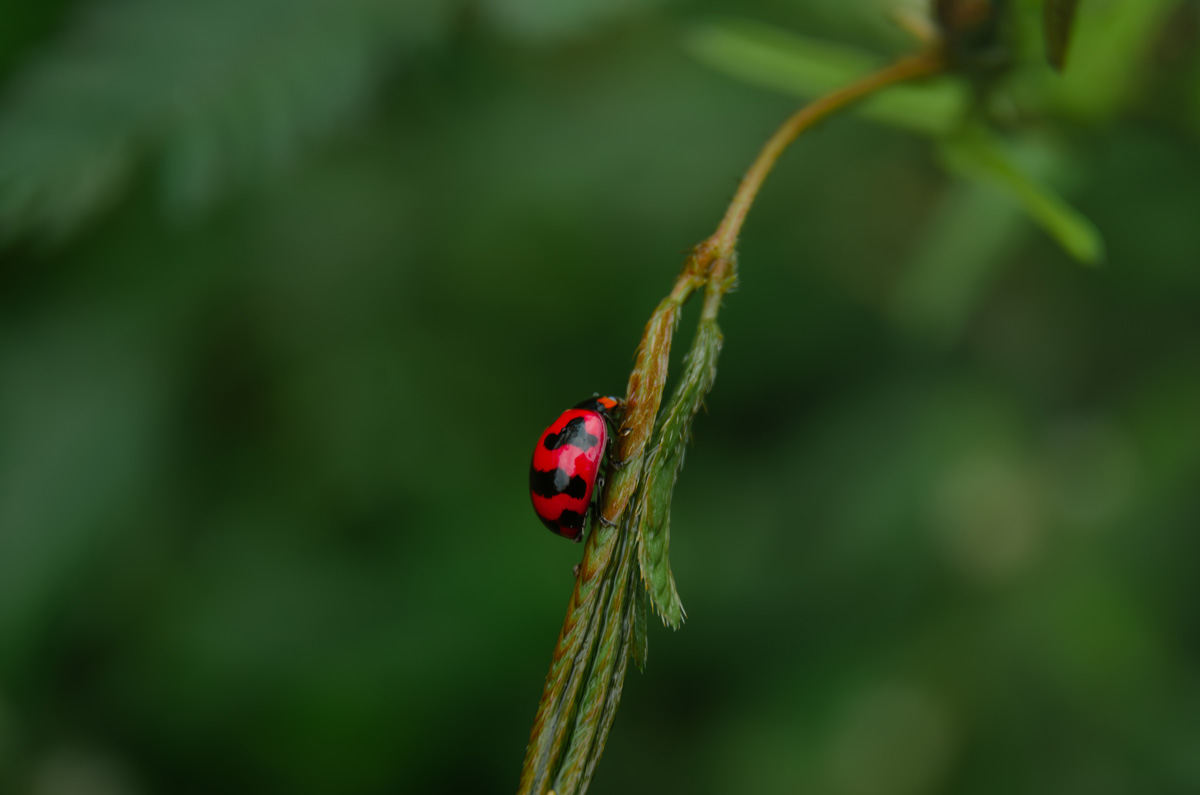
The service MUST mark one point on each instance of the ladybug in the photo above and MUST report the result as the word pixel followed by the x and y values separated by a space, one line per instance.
pixel 566 463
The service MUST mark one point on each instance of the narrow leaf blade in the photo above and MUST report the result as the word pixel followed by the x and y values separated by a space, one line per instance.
pixel 662 470
pixel 776 59
pixel 1058 21
pixel 555 721
pixel 599 698
pixel 1114 41
pixel 978 157
pixel 640 640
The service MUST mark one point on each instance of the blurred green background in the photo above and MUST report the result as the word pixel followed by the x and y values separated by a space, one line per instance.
pixel 289 289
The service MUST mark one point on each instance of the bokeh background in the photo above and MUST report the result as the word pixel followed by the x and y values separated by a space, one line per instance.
pixel 288 290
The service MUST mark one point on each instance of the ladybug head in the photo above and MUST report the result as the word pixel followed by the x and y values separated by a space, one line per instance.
pixel 602 404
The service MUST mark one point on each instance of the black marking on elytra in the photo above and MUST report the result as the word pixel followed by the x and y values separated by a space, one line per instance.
pixel 571 519
pixel 552 484
pixel 574 433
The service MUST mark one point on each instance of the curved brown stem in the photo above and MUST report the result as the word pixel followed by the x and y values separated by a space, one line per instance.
pixel 921 65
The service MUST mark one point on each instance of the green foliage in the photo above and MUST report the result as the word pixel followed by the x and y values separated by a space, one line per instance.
pixel 653 517
pixel 971 231
pixel 641 643
pixel 1059 21
pixel 251 542
pixel 807 68
pixel 587 675
pixel 1110 42
pixel 223 92
pixel 611 632
pixel 549 20
pixel 976 156
pixel 939 109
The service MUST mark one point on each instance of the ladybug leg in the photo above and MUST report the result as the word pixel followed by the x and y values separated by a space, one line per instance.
pixel 617 466
pixel 600 518
pixel 596 512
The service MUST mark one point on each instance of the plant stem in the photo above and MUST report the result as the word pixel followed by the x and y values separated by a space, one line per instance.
pixel 920 65
pixel 588 670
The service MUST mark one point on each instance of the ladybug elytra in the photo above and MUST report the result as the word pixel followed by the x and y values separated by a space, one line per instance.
pixel 566 464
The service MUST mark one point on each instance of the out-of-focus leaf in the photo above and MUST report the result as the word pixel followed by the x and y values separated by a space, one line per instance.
pixel 224 89
pixel 640 641
pixel 776 59
pixel 973 230
pixel 25 23
pixel 1058 21
pixel 81 414
pixel 971 234
pixel 555 19
pixel 976 156
pixel 1112 38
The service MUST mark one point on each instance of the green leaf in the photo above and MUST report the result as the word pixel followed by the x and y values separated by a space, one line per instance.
pixel 971 232
pixel 640 640
pixel 598 708
pixel 222 92
pixel 976 156
pixel 1058 21
pixel 1111 40
pixel 587 674
pixel 546 20
pixel 773 58
pixel 653 512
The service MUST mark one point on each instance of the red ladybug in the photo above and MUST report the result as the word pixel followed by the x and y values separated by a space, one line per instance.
pixel 566 463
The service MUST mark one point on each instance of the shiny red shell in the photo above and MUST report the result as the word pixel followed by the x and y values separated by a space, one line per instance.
pixel 566 464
